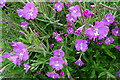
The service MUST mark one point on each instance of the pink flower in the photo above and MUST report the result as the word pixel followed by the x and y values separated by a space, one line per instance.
pixel 3 69
pixel 21 32
pixel 78 31
pixel 62 73
pixel 59 6
pixel 53 75
pixel 58 38
pixel 71 19
pixel 2 3
pixel 38 73
pixel 109 40
pixel 20 13
pixel 108 19
pixel 79 62
pixel 99 30
pixel 58 53
pixel 52 1
pixel 92 6
pixel 37 33
pixel 51 46
pixel 1 58
pixel 65 35
pixel 81 45
pixel 24 24
pixel 71 1
pixel 115 23
pixel 70 30
pixel 55 34
pixel 118 47
pixel 0 49
pixel 116 31
pixel 56 62
pixel 99 43
pixel 66 63
pixel 75 11
pixel 87 13
pixel 20 50
pixel 27 66
pixel 67 5
pixel 29 11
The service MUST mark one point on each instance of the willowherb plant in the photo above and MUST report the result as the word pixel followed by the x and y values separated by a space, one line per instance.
pixel 78 41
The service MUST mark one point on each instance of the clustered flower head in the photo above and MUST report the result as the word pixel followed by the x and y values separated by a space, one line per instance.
pixel 99 30
pixel 59 6
pixel 81 45
pixel 2 3
pixel 109 40
pixel 18 54
pixel 24 24
pixel 116 31
pixel 29 11
pixel 108 19
pixel 70 30
pixel 79 62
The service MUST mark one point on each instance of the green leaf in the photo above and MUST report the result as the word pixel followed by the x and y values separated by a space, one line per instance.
pixel 101 74
pixel 24 40
pixel 110 53
pixel 85 69
pixel 93 74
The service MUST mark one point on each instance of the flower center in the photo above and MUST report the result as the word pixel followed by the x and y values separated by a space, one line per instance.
pixel 71 19
pixel 11 53
pixel 21 54
pixel 58 6
pixel 95 29
pixel 31 10
pixel 81 44
pixel 75 11
pixel 108 40
pixel 107 19
pixel 31 14
pixel 117 31
pixel 57 61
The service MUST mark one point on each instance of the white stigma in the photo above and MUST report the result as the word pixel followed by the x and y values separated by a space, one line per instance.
pixel 108 40
pixel 58 6
pixel 75 11
pixel 21 54
pixel 117 31
pixel 31 14
pixel 71 19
